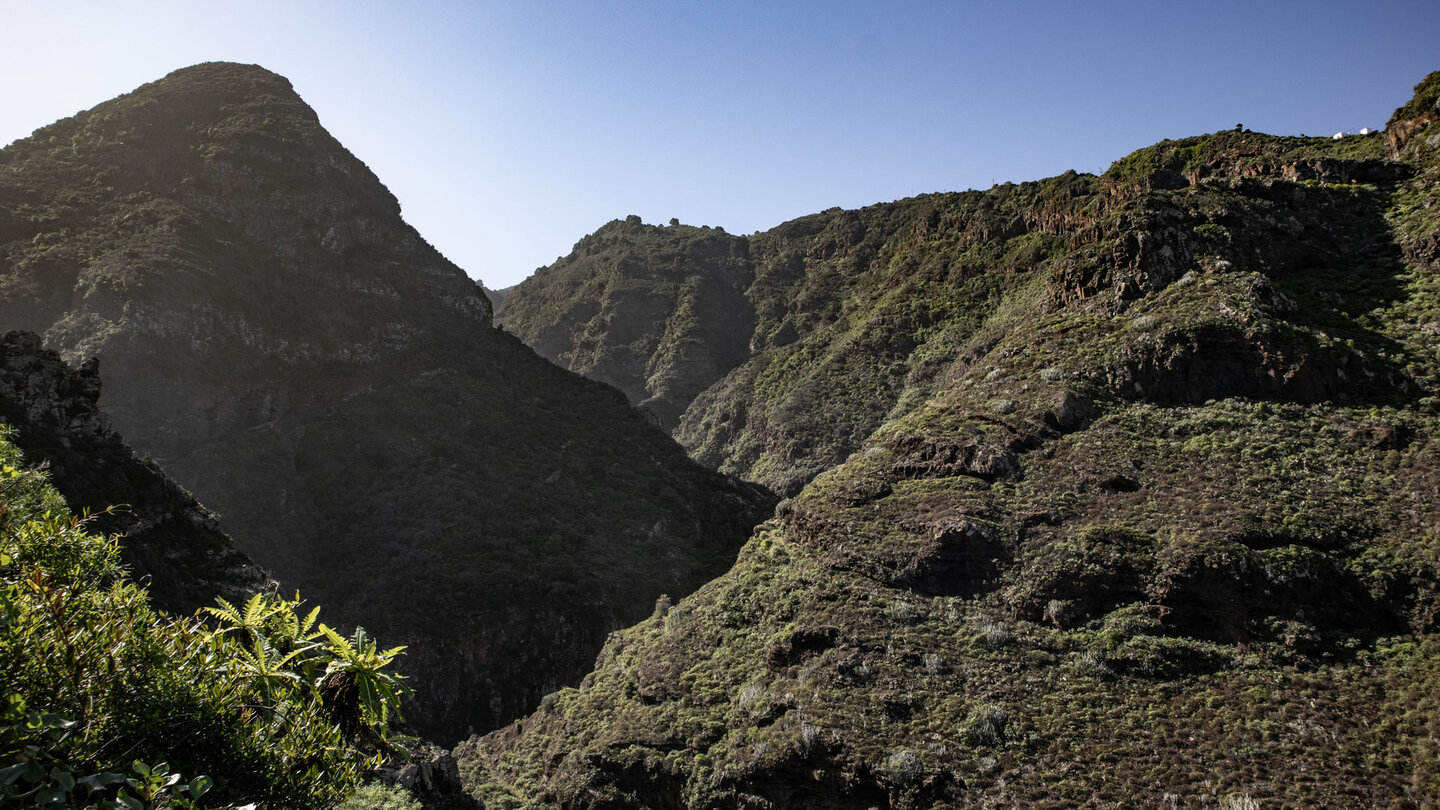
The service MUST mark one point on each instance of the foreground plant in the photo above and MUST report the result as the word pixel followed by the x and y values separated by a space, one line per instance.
pixel 112 704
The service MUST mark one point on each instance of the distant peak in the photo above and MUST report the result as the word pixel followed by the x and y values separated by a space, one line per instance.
pixel 224 68
pixel 224 79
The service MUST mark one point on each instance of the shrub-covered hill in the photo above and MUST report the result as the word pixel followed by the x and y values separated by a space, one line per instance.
pixel 852 318
pixel 659 313
pixel 1162 531
pixel 273 333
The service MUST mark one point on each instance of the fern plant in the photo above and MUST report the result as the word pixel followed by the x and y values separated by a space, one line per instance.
pixel 97 685
pixel 356 687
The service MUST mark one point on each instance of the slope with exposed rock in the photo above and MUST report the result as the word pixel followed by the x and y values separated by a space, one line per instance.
pixel 658 312
pixel 170 542
pixel 1145 519
pixel 273 333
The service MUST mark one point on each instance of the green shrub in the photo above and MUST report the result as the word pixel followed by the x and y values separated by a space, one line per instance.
pixel 904 768
pixel 98 684
pixel 375 796
pixel 986 725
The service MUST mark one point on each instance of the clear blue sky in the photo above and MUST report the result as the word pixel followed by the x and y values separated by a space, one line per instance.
pixel 509 130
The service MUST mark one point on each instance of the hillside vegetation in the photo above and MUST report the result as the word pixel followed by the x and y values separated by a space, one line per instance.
pixel 110 702
pixel 853 318
pixel 273 333
pixel 1135 506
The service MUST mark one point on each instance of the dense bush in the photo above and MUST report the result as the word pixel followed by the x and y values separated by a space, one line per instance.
pixel 110 703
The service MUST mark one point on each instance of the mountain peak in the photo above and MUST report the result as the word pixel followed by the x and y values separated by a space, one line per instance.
pixel 277 336
pixel 212 76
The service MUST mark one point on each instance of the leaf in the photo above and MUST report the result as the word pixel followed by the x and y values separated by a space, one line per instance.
pixel 63 778
pixel 306 627
pixel 102 780
pixel 338 643
pixel 370 699
pixel 199 786
pixel 11 774
pixel 49 796
pixel 255 609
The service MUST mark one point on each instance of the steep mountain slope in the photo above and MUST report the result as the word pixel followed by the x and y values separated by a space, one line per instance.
pixel 857 316
pixel 170 543
pixel 1164 534
pixel 659 313
pixel 277 337
pixel 96 682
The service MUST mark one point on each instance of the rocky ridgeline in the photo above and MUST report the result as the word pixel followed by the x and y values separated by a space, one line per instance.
pixel 170 541
pixel 839 321
pixel 1120 492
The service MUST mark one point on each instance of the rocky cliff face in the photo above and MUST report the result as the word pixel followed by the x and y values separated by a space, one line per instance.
pixel 658 312
pixel 1151 521
pixel 857 317
pixel 170 541
pixel 275 335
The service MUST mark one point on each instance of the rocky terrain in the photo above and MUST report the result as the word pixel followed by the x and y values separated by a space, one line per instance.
pixel 659 313
pixel 1121 492
pixel 272 332
pixel 170 542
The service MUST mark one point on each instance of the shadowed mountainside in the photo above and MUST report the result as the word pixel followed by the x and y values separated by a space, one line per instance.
pixel 170 543
pixel 1140 509
pixel 274 334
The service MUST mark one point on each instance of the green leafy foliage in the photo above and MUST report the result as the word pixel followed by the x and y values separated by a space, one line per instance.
pixel 111 703
pixel 40 776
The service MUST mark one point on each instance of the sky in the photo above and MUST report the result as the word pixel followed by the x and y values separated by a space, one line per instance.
pixel 509 130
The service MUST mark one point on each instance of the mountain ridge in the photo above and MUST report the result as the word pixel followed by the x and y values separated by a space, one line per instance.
pixel 858 315
pixel 276 336
pixel 1152 522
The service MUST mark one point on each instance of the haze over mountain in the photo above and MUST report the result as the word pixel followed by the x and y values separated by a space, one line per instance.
pixel 1121 492
pixel 272 332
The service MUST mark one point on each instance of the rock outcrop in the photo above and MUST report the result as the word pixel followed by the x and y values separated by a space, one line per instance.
pixel 170 542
